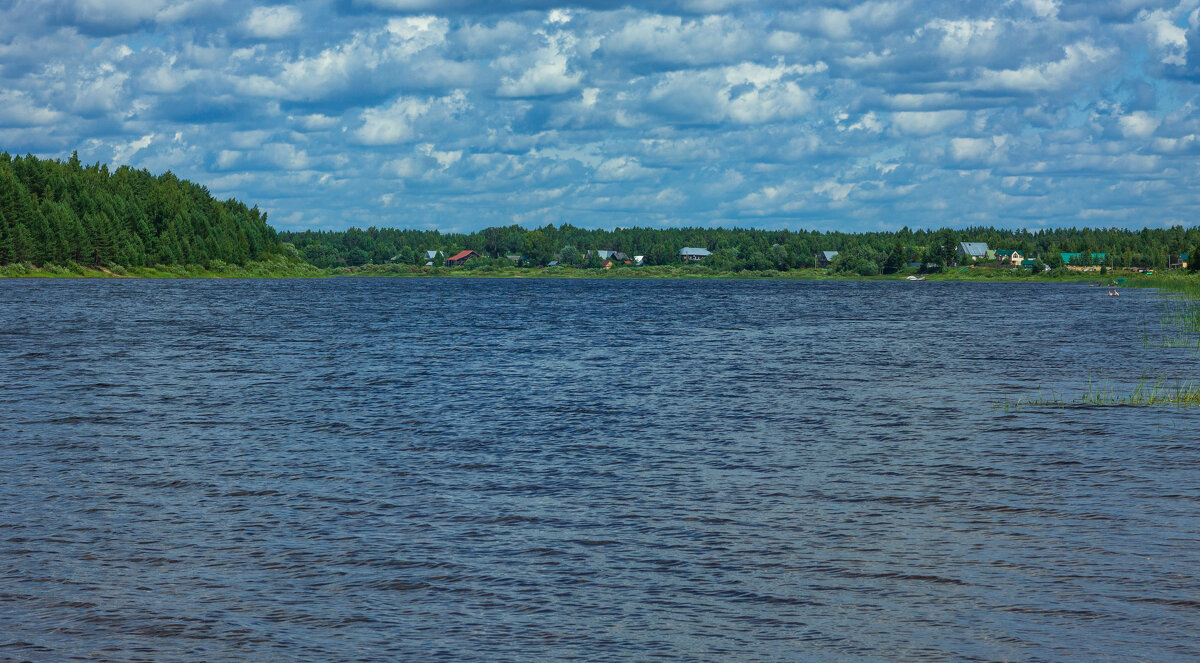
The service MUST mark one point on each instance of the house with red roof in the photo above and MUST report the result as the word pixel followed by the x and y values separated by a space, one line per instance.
pixel 460 258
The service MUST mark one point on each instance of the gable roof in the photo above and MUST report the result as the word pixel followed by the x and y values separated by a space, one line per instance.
pixel 692 251
pixel 462 255
pixel 829 255
pixel 430 255
pixel 973 248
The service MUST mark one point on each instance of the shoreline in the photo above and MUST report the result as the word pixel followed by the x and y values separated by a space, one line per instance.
pixel 665 273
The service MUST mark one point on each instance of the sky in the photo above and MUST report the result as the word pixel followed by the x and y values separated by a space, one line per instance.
pixel 463 114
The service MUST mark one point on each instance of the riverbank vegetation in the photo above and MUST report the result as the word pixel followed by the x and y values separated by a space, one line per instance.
pixel 1147 392
pixel 65 218
pixel 740 249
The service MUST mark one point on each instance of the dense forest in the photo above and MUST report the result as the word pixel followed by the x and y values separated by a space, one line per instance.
pixel 62 212
pixel 745 249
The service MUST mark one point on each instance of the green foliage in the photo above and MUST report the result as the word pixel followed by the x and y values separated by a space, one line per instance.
pixel 65 213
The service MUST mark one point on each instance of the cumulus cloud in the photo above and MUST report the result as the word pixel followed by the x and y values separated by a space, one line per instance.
pixel 544 72
pixel 272 22
pixel 401 121
pixel 461 113
pixel 747 93
pixel 924 123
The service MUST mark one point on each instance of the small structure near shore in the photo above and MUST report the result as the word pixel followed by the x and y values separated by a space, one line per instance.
pixel 1007 257
pixel 825 258
pixel 460 258
pixel 692 254
pixel 973 250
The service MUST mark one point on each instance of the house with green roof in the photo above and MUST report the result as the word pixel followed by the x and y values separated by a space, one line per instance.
pixel 1083 262
pixel 1009 257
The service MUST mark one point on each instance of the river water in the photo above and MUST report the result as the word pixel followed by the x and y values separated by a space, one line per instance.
pixel 496 470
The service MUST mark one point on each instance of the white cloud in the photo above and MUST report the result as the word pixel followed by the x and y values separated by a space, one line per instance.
pixel 924 123
pixel 286 156
pixel 18 109
pixel 548 74
pixel 393 124
pixel 1138 124
pixel 1080 61
pixel 272 22
pixel 670 39
pixel 1042 8
pixel 397 122
pixel 620 169
pixel 124 151
pixel 747 93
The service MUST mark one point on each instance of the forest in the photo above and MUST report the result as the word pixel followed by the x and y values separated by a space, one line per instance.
pixel 62 212
pixel 65 212
pixel 744 249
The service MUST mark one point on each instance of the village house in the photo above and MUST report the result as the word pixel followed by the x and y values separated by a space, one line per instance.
pixel 603 255
pixel 639 260
pixel 1180 262
pixel 1071 261
pixel 431 257
pixel 691 254
pixel 825 258
pixel 460 258
pixel 1007 257
pixel 973 250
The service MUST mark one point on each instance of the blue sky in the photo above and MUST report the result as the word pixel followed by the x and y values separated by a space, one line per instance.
pixel 461 114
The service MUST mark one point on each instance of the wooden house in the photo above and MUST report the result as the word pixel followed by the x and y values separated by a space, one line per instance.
pixel 460 258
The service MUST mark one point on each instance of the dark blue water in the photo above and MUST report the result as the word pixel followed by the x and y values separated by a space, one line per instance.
pixel 525 470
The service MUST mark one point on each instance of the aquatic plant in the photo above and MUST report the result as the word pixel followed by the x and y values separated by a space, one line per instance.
pixel 1145 393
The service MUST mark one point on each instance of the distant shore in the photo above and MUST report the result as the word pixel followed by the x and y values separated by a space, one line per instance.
pixel 674 272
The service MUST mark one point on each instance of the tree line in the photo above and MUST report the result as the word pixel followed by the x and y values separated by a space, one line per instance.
pixel 59 212
pixel 748 249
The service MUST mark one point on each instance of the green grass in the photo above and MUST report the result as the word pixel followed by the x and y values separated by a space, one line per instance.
pixel 274 268
pixel 1146 393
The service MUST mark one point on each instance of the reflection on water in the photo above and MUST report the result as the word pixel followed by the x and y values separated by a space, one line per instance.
pixel 532 470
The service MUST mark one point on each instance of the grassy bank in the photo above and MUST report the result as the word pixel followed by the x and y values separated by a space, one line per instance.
pixel 292 267
pixel 278 268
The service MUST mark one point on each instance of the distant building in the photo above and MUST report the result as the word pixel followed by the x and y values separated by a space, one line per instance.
pixel 690 254
pixel 606 264
pixel 1009 257
pixel 514 257
pixel 1179 263
pixel 431 257
pixel 460 258
pixel 639 260
pixel 1073 261
pixel 825 258
pixel 973 250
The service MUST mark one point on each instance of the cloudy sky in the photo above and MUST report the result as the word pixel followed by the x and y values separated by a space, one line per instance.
pixel 459 114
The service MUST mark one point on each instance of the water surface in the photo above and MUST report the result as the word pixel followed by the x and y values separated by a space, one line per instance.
pixel 412 469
